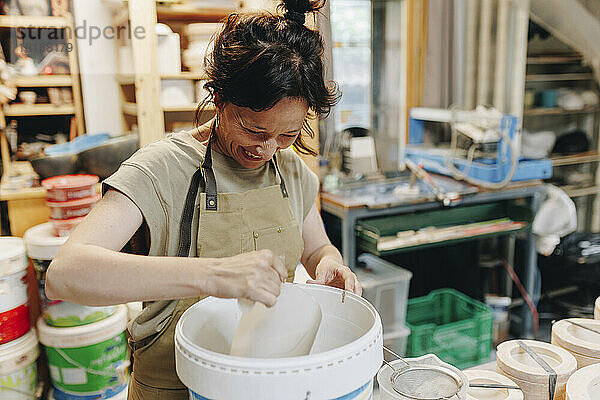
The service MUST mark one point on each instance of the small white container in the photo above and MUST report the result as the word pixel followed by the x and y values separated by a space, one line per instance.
pixel 168 52
pixel 176 92
pixel 385 285
pixel 18 369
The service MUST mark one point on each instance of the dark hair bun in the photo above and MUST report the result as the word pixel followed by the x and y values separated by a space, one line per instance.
pixel 302 6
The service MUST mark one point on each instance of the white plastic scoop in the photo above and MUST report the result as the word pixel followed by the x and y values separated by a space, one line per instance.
pixel 287 329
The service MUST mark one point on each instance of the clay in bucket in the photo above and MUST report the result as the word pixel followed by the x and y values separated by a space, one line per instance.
pixel 288 329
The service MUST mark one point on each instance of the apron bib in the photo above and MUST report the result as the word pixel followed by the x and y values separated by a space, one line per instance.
pixel 229 224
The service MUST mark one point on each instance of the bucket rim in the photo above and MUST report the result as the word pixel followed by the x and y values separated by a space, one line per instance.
pixel 15 349
pixel 374 334
pixel 41 242
pixel 99 331
pixel 12 247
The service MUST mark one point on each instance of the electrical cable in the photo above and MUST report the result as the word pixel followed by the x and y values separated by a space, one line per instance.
pixel 526 297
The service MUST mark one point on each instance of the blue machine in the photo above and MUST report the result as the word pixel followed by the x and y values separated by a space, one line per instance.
pixel 493 168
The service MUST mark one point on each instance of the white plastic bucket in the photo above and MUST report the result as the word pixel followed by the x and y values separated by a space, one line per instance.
pixel 14 311
pixel 42 246
pixel 58 395
pixel 18 371
pixel 89 360
pixel 346 355
pixel 386 388
pixel 584 384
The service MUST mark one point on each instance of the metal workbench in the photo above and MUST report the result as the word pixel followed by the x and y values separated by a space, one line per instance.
pixel 349 211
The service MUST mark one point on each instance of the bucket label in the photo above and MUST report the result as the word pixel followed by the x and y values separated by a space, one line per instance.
pixel 90 370
pixel 14 323
pixel 15 386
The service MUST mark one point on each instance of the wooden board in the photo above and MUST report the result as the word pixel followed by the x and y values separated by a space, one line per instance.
pixel 24 214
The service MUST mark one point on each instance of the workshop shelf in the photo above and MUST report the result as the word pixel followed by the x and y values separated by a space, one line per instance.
pixel 450 325
pixel 391 234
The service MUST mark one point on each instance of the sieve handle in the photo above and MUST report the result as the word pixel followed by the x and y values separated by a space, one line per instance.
pixel 395 355
pixel 493 386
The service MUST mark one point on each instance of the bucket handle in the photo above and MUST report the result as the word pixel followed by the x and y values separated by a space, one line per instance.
pixel 120 370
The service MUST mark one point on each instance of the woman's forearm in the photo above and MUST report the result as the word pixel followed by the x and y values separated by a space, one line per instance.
pixel 322 253
pixel 91 275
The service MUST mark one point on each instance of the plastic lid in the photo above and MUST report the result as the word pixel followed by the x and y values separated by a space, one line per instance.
pixel 70 181
pixel 74 203
pixel 12 255
pixel 42 243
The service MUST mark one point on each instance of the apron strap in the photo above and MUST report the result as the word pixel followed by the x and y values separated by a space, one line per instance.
pixel 282 184
pixel 185 229
pixel 209 176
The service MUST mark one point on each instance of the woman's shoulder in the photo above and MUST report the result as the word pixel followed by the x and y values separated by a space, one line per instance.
pixel 176 149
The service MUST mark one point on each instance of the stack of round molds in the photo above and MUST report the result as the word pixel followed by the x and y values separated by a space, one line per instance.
pixel 597 309
pixel 476 376
pixel 517 365
pixel 42 246
pixel 582 343
pixel 584 384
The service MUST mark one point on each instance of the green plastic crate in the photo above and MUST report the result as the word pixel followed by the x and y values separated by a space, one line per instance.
pixel 450 325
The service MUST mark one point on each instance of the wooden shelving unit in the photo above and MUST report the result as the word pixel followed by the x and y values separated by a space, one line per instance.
pixel 542 74
pixel 36 110
pixel 71 80
pixel 188 14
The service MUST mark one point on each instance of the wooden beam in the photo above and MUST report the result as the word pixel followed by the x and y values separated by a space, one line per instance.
pixel 147 81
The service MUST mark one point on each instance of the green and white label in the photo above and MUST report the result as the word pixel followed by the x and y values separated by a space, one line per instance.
pixel 20 385
pixel 89 369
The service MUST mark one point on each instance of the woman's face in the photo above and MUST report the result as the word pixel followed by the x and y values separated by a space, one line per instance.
pixel 252 138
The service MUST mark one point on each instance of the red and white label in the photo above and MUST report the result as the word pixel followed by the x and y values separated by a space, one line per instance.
pixel 14 323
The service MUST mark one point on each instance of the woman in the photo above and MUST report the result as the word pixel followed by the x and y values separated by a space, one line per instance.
pixel 231 200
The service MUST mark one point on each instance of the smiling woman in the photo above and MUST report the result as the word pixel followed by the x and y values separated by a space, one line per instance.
pixel 228 209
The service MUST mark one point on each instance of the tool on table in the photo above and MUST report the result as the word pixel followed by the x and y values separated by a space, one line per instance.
pixel 493 386
pixel 447 199
pixel 424 382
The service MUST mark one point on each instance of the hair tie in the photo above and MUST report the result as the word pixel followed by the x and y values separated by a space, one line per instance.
pixel 295 16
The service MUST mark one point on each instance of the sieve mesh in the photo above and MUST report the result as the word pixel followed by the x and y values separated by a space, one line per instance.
pixel 425 384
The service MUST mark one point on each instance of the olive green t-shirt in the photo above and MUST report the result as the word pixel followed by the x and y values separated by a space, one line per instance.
pixel 157 177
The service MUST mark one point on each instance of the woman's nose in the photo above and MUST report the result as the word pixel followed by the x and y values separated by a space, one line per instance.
pixel 267 148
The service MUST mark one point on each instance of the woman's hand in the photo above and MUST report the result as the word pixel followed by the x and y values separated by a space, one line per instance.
pixel 330 272
pixel 256 276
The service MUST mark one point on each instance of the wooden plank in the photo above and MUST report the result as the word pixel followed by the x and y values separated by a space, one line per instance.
pixel 23 21
pixel 44 81
pixel 23 194
pixel 574 191
pixel 129 108
pixel 558 77
pixel 74 69
pixel 558 111
pixel 193 76
pixel 555 59
pixel 24 110
pixel 191 14
pixel 147 81
pixel 581 158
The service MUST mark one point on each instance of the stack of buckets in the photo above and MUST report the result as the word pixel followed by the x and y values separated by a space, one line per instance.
pixel 18 342
pixel 70 198
pixel 85 346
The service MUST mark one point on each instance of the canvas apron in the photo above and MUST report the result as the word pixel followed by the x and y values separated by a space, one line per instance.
pixel 229 224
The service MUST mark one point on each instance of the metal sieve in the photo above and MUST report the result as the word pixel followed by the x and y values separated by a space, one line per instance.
pixel 424 382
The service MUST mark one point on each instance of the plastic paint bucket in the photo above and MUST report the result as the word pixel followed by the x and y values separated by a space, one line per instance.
pixel 18 371
pixel 14 311
pixel 58 395
pixel 87 361
pixel 42 247
pixel 346 355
